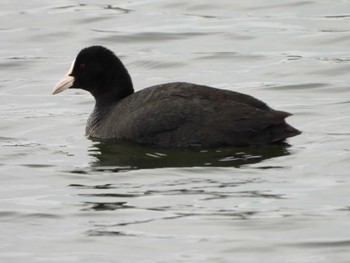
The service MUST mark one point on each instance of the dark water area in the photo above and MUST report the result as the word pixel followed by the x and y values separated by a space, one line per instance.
pixel 65 198
pixel 133 156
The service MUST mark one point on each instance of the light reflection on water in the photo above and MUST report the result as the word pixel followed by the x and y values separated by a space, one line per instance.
pixel 65 198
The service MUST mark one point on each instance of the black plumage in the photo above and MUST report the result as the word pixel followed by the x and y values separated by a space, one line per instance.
pixel 169 115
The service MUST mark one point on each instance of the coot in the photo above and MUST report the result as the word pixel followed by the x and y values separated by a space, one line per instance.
pixel 169 115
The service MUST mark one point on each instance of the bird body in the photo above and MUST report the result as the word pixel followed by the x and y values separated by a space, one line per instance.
pixel 175 114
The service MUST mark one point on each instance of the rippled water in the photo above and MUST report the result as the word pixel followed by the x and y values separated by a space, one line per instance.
pixel 65 198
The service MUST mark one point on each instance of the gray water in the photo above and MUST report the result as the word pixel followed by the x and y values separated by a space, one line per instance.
pixel 65 198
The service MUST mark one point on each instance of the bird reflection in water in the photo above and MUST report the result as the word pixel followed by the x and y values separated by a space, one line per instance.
pixel 135 156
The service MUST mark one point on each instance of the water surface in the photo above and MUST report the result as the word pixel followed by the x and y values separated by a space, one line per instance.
pixel 65 198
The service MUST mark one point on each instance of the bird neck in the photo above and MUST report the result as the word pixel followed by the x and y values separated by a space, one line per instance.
pixel 115 90
pixel 105 101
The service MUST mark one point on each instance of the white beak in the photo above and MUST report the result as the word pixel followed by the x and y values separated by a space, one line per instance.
pixel 64 83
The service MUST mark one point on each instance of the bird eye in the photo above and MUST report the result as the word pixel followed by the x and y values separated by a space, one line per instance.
pixel 82 66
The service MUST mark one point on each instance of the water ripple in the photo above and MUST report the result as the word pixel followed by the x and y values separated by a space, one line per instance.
pixel 120 37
